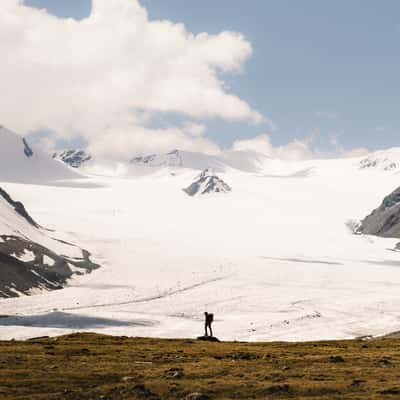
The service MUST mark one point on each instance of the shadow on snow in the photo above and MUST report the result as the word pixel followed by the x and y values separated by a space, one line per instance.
pixel 70 321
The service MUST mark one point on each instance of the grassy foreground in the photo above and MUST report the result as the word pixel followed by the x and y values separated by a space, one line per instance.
pixel 89 366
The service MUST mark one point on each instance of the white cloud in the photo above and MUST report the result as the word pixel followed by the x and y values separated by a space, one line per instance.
pixel 97 76
pixel 296 149
pixel 194 129
pixel 116 143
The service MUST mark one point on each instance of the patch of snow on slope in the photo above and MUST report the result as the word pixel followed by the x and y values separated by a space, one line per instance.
pixel 26 256
pixel 48 261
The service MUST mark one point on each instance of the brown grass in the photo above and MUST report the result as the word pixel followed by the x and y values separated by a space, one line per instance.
pixel 89 366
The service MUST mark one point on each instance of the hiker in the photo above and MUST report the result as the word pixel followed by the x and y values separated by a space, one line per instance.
pixel 209 318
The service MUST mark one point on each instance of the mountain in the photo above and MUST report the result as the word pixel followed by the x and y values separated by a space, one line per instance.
pixel 385 160
pixel 207 182
pixel 171 159
pixel 242 160
pixel 30 259
pixel 385 220
pixel 272 259
pixel 21 162
pixel 74 158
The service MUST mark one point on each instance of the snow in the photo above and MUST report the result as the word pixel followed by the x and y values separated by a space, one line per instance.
pixel 13 224
pixel 19 163
pixel 26 256
pixel 206 183
pixel 74 158
pixel 242 160
pixel 386 160
pixel 274 260
pixel 49 261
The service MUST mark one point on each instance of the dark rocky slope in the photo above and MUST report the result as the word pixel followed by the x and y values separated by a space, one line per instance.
pixel 74 158
pixel 385 220
pixel 207 182
pixel 25 264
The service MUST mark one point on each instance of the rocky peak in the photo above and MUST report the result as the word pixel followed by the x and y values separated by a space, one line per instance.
pixel 74 158
pixel 207 182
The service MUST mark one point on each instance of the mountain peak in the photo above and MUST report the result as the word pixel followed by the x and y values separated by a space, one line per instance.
pixel 171 159
pixel 207 182
pixel 21 162
pixel 385 160
pixel 73 157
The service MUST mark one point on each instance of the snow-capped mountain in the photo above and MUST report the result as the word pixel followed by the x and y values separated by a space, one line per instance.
pixel 21 162
pixel 74 158
pixel 385 160
pixel 207 182
pixel 241 160
pixel 385 220
pixel 29 258
pixel 172 159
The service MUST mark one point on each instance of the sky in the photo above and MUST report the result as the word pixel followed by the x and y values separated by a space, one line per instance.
pixel 321 75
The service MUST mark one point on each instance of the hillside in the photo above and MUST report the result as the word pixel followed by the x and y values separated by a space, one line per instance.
pixel 384 220
pixel 22 162
pixel 31 259
pixel 86 366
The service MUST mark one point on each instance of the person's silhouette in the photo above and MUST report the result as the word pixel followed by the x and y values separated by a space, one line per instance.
pixel 209 318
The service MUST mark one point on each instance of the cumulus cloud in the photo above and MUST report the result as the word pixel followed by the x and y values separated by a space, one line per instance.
pixel 296 149
pixel 97 77
pixel 144 141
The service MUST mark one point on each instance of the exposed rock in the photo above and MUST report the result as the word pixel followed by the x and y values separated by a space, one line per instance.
pixel 242 160
pixel 18 207
pixel 21 162
pixel 207 182
pixel 384 160
pixel 27 150
pixel 208 339
pixel 174 373
pixel 197 396
pixel 45 270
pixel 386 165
pixel 74 158
pixel 385 220
pixel 171 159
pixel 26 259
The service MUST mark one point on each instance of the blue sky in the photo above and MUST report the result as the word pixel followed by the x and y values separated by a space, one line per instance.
pixel 321 69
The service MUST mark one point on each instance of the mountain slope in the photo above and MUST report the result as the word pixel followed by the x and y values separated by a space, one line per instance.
pixel 20 162
pixel 240 160
pixel 385 220
pixel 73 158
pixel 207 182
pixel 385 160
pixel 29 258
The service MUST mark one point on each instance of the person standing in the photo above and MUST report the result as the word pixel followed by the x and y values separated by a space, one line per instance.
pixel 209 318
